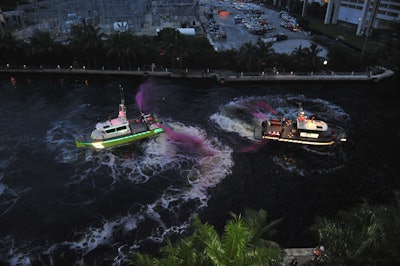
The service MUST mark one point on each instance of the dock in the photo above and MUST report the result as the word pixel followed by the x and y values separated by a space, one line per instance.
pixel 302 255
pixel 220 76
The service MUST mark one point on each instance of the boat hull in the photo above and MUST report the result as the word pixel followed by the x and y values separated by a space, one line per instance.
pixel 324 140
pixel 301 141
pixel 124 140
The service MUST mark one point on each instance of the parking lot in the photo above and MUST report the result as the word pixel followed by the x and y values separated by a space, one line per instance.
pixel 250 23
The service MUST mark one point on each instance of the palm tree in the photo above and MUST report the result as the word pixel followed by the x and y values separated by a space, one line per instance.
pixel 282 60
pixel 169 45
pixel 12 50
pixel 175 46
pixel 43 49
pixel 298 57
pixel 249 56
pixel 240 244
pixel 121 49
pixel 343 59
pixel 225 59
pixel 266 53
pixel 87 41
pixel 365 235
pixel 201 53
pixel 262 230
pixel 391 54
pixel 312 57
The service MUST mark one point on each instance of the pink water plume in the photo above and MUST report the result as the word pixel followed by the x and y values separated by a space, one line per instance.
pixel 260 116
pixel 144 94
pixel 265 106
pixel 140 96
pixel 189 140
pixel 256 146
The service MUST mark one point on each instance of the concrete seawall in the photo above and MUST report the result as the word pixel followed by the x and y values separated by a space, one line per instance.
pixel 220 76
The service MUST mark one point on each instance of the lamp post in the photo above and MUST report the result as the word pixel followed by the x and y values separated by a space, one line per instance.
pixel 325 64
pixel 1 23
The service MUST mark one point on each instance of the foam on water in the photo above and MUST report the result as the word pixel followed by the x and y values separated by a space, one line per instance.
pixel 234 117
pixel 235 125
pixel 199 169
pixel 60 137
pixel 199 161
pixel 8 196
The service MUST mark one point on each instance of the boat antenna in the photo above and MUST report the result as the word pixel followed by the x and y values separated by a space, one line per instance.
pixel 121 90
pixel 122 108
pixel 300 107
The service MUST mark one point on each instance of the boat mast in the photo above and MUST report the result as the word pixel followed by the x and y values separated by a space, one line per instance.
pixel 122 108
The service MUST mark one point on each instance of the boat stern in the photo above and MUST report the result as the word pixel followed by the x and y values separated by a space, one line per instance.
pixel 82 144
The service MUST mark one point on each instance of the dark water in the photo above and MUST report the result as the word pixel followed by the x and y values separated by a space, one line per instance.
pixel 59 204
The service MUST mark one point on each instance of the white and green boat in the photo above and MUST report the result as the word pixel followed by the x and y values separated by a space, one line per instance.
pixel 120 131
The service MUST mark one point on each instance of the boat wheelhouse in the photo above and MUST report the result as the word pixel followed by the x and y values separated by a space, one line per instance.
pixel 120 130
pixel 303 131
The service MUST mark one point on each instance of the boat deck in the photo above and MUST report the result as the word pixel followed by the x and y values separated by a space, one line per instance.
pixel 288 130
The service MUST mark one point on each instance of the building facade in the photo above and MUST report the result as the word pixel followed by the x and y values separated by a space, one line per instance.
pixel 366 14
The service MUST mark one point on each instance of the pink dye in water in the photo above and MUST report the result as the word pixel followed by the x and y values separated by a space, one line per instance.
pixel 188 140
pixel 265 106
pixel 260 116
pixel 140 96
pixel 254 147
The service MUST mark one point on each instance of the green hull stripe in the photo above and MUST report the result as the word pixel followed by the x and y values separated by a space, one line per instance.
pixel 118 141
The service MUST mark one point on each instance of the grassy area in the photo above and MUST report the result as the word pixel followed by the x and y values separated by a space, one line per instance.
pixel 345 32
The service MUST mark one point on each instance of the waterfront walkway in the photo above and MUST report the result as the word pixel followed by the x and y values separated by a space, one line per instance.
pixel 302 255
pixel 220 76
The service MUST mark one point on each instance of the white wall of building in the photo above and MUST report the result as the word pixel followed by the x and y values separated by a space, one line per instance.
pixel 349 15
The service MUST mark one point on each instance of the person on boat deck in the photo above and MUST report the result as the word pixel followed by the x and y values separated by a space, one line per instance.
pixel 293 262
pixel 143 117
pixel 318 252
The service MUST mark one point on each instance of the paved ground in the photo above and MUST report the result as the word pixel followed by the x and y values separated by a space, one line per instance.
pixel 301 254
pixel 237 34
pixel 289 45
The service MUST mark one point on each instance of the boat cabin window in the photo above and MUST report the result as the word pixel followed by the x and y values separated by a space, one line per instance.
pixel 121 128
pixel 106 126
pixel 319 127
pixel 117 129
pixel 109 131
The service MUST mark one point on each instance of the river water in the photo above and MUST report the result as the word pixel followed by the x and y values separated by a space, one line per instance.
pixel 60 204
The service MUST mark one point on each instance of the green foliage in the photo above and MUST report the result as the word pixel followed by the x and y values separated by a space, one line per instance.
pixel 364 235
pixel 89 46
pixel 240 244
pixel 250 56
pixel 12 50
pixel 43 49
pixel 122 49
pixel 87 41
pixel 386 54
pixel 343 59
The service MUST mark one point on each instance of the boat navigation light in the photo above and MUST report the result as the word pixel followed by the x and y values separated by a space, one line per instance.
pixel 98 145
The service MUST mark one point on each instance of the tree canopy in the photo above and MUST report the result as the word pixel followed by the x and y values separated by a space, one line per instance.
pixel 243 242
pixel 363 235
pixel 88 46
